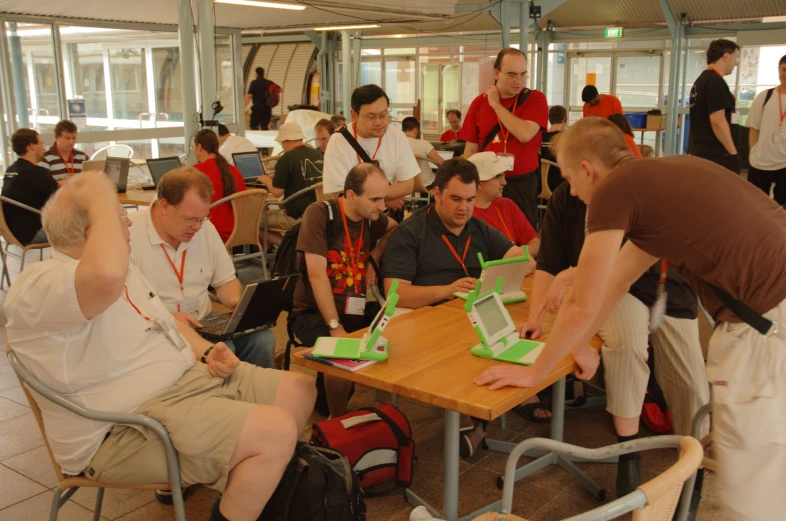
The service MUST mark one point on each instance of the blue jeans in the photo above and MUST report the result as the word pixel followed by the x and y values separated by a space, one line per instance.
pixel 256 348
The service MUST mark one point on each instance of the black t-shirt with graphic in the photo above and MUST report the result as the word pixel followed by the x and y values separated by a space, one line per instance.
pixel 297 169
pixel 710 93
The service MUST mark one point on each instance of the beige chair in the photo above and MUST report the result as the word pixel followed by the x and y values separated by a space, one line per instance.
pixel 646 151
pixel 247 207
pixel 10 240
pixel 68 485
pixel 270 163
pixel 655 500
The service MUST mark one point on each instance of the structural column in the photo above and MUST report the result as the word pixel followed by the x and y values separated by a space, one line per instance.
pixel 18 74
pixel 185 25
pixel 504 20
pixel 207 58
pixel 346 59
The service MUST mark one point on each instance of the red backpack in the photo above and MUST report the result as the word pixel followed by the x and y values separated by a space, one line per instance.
pixel 377 441
pixel 272 95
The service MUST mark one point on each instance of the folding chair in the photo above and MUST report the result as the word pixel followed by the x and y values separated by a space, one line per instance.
pixel 11 240
pixel 247 207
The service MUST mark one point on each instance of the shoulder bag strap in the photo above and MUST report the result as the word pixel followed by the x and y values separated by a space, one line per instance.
pixel 523 95
pixel 746 314
pixel 354 144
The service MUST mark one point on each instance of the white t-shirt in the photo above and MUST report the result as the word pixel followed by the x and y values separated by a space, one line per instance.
pixel 112 363
pixel 235 145
pixel 422 148
pixel 207 263
pixel 769 152
pixel 394 156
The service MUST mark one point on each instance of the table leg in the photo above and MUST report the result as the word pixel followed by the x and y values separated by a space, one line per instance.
pixel 450 502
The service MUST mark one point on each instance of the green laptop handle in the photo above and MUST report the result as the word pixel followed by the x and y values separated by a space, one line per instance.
pixel 521 258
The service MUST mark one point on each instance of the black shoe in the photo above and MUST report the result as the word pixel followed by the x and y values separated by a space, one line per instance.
pixel 165 496
pixel 470 438
pixel 628 475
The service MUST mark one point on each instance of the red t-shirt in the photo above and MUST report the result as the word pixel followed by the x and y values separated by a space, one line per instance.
pixel 632 145
pixel 449 135
pixel 608 105
pixel 513 224
pixel 481 119
pixel 221 216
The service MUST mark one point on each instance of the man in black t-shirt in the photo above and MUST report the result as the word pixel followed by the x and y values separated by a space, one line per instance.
pixel 29 184
pixel 558 119
pixel 260 112
pixel 714 122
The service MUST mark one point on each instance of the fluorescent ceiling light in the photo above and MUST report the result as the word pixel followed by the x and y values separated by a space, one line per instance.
pixel 344 27
pixel 256 3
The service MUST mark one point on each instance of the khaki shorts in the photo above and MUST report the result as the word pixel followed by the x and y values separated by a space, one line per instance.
pixel 280 219
pixel 204 417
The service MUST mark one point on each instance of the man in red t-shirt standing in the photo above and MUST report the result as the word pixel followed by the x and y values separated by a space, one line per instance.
pixel 508 119
pixel 497 211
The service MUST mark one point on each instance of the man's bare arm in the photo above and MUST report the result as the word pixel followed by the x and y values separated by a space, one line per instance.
pixel 722 131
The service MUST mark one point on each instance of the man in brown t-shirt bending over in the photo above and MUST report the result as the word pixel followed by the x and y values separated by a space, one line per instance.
pixel 715 229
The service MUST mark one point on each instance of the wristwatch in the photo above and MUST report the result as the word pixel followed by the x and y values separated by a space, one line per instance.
pixel 204 355
pixel 334 324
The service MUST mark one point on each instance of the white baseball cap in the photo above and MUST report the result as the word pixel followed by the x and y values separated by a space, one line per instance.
pixel 290 132
pixel 490 165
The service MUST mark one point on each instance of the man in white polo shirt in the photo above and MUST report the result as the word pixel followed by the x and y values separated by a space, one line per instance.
pixel 370 128
pixel 230 144
pixel 90 326
pixel 180 252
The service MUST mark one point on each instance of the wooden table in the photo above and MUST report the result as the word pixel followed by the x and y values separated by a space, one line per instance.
pixel 138 197
pixel 430 361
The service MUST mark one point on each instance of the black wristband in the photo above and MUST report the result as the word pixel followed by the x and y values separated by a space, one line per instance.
pixel 204 355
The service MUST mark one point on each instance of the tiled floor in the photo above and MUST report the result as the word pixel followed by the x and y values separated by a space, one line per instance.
pixel 27 478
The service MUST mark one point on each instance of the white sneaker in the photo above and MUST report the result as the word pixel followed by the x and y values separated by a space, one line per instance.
pixel 421 513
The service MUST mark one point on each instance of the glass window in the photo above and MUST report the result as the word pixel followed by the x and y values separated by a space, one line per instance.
pixel 370 73
pixel 225 84
pixel 128 80
pixel 451 94
pixel 555 85
pixel 588 70
pixel 400 81
pixel 169 95
pixel 436 50
pixel 759 71
pixel 34 78
pixel 639 44
pixel 429 108
pixel 371 52
pixel 405 50
pixel 637 81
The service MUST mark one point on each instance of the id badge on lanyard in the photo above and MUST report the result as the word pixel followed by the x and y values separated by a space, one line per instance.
pixel 507 160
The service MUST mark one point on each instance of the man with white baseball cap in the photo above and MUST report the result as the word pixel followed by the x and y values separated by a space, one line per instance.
pixel 299 167
pixel 497 211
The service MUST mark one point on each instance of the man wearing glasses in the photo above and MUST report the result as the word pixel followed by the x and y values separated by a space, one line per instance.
pixel 508 119
pixel 180 253
pixel 387 147
pixel 714 122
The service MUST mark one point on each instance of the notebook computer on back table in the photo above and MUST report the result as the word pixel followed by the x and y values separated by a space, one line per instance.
pixel 158 168
pixel 250 166
pixel 259 308
pixel 117 170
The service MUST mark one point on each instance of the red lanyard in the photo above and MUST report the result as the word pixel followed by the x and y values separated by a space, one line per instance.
pixel 379 144
pixel 460 260
pixel 354 257
pixel 780 107
pixel 133 305
pixel 70 169
pixel 503 132
pixel 182 273
pixel 502 222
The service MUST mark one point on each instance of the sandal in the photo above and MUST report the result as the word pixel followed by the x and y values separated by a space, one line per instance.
pixel 529 411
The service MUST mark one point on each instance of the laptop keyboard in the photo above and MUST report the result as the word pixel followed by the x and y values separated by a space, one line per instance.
pixel 215 329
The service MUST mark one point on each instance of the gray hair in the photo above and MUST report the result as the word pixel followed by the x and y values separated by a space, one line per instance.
pixel 64 223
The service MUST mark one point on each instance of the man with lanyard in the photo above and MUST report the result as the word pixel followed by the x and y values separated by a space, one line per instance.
pixel 714 122
pixel 371 135
pixel 664 209
pixel 768 138
pixel 508 119
pixel 337 240
pixel 434 253
pixel 63 160
pixel 180 253
pixel 497 211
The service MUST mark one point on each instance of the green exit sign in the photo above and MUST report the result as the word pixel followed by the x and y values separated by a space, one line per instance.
pixel 614 32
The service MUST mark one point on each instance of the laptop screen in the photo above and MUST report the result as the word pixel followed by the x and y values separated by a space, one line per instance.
pixel 445 154
pixel 249 164
pixel 159 167
pixel 491 315
pixel 114 167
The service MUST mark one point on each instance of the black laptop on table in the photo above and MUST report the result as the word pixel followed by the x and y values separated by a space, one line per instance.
pixel 159 167
pixel 259 308
pixel 117 170
pixel 250 166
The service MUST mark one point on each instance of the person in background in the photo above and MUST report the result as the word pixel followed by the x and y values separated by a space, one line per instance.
pixel 384 144
pixel 520 126
pixel 64 160
pixel 558 119
pixel 600 105
pixel 257 96
pixel 322 131
pixel 714 122
pixel 330 299
pixel 422 149
pixel 299 167
pixel 28 183
pixel 230 144
pixel 768 138
pixel 338 121
pixel 226 179
pixel 624 125
pixel 497 211
pixel 454 119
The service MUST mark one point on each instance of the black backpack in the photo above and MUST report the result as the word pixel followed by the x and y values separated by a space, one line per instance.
pixel 319 484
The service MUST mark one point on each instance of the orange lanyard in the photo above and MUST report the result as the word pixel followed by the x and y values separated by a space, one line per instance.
pixel 780 107
pixel 460 260
pixel 354 257
pixel 506 231
pixel 133 305
pixel 503 132
pixel 182 272
pixel 70 169
pixel 379 144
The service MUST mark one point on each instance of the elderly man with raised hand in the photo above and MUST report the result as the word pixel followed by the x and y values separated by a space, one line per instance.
pixel 90 326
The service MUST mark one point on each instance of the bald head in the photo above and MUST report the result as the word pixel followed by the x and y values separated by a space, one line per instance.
pixel 64 222
pixel 595 140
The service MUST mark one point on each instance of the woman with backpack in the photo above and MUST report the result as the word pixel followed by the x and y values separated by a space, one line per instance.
pixel 226 179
